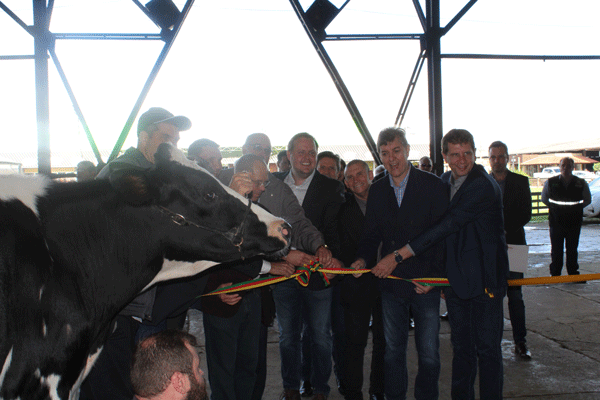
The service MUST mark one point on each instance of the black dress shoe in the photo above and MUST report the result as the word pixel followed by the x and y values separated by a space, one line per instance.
pixel 306 389
pixel 341 387
pixel 289 394
pixel 444 316
pixel 522 351
pixel 411 324
pixel 376 396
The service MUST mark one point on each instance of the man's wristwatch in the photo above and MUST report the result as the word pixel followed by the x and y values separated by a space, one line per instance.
pixel 397 257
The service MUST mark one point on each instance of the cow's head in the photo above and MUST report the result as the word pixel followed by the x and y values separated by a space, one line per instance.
pixel 204 216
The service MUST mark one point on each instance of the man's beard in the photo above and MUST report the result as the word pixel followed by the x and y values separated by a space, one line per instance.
pixel 197 391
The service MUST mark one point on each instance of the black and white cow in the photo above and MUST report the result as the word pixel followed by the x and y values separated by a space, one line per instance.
pixel 73 255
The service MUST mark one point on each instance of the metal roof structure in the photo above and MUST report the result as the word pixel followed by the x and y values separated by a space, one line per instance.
pixel 564 147
pixel 554 159
pixel 314 19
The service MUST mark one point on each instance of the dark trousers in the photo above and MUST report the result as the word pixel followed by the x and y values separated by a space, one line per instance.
pixel 232 350
pixel 261 367
pixel 359 306
pixel 516 309
pixel 338 335
pixel 564 232
pixel 109 378
pixel 476 327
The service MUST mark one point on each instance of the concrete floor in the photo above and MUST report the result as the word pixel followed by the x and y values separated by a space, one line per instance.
pixel 563 324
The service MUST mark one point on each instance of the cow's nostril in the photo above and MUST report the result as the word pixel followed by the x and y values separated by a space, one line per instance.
pixel 286 230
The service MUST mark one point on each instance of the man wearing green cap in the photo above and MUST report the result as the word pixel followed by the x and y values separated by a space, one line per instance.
pixel 109 379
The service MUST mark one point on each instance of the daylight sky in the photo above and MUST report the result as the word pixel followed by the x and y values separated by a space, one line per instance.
pixel 247 66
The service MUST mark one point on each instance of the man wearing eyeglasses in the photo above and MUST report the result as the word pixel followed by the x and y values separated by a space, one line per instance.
pixel 232 322
pixel 425 164
pixel 279 199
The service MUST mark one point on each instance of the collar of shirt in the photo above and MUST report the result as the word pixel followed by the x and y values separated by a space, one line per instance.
pixel 299 190
pixel 455 184
pixel 400 189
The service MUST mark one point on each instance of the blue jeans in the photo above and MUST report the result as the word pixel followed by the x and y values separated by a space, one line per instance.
pixel 290 298
pixel 476 327
pixel 426 313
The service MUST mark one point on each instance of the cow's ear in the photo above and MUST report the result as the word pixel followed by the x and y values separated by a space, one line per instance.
pixel 133 185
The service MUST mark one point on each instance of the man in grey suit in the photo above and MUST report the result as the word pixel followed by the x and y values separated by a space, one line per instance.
pixel 279 199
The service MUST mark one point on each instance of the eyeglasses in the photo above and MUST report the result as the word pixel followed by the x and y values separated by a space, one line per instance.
pixel 259 149
pixel 261 183
pixel 426 165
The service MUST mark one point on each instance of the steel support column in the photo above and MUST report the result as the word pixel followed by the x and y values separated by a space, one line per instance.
pixel 169 37
pixel 434 80
pixel 339 83
pixel 42 39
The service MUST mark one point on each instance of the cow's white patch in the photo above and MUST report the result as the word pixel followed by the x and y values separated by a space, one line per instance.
pixel 6 366
pixel 91 360
pixel 44 328
pixel 41 290
pixel 179 269
pixel 52 383
pixel 27 189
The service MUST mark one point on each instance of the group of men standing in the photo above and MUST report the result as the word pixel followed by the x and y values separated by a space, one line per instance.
pixel 409 224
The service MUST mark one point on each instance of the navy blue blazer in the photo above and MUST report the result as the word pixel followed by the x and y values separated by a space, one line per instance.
pixel 517 207
pixel 473 230
pixel 425 201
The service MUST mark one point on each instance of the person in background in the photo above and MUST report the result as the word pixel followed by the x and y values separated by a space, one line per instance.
pixel 342 169
pixel 86 171
pixel 425 164
pixel 283 164
pixel 378 172
pixel 207 154
pixel 566 195
pixel 328 164
pixel 516 199
pixel 166 366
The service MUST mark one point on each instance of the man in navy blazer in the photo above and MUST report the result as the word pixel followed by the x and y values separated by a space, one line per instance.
pixel 477 267
pixel 404 203
pixel 516 199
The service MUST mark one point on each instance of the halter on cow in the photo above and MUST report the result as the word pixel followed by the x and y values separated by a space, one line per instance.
pixel 73 255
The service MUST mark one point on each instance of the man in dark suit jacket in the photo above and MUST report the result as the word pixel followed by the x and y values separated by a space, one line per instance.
pixel 516 199
pixel 401 205
pixel 360 297
pixel 321 198
pixel 477 267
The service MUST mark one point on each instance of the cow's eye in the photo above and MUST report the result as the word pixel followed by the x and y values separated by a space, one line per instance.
pixel 210 196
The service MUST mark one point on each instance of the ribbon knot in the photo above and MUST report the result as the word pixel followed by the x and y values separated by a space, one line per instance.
pixel 306 271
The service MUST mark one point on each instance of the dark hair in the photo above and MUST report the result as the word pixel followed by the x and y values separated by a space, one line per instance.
pixel 457 136
pixel 197 146
pixel 246 163
pixel 83 165
pixel 498 143
pixel 281 154
pixel 305 135
pixel 359 162
pixel 329 154
pixel 388 135
pixel 157 358
pixel 569 159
